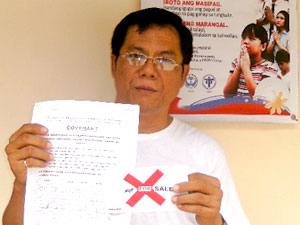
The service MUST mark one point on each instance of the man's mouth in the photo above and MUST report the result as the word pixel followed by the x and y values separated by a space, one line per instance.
pixel 145 89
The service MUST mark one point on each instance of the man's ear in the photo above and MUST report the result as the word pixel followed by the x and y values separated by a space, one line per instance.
pixel 113 64
pixel 185 72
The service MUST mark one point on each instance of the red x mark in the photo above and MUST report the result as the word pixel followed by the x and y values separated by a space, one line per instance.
pixel 145 188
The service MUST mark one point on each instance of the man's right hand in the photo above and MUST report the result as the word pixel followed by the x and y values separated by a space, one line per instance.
pixel 27 144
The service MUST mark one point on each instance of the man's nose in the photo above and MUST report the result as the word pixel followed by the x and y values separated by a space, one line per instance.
pixel 149 69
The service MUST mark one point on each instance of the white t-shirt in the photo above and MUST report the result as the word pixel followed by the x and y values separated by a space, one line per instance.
pixel 180 144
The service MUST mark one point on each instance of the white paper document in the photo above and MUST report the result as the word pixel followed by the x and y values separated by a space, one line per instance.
pixel 88 138
pixel 145 189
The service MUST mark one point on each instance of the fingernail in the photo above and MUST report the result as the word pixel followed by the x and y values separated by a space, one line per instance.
pixel 44 129
pixel 51 158
pixel 174 199
pixel 176 188
pixel 49 145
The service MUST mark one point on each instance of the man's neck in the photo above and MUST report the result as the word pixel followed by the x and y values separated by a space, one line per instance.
pixel 151 123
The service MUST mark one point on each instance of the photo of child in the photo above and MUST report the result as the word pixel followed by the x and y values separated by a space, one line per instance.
pixel 283 60
pixel 250 67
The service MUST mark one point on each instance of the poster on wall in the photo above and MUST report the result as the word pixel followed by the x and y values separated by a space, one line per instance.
pixel 245 60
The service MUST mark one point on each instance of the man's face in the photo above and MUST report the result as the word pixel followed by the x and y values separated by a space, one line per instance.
pixel 146 85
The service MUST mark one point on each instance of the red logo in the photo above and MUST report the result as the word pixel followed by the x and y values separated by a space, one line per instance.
pixel 145 188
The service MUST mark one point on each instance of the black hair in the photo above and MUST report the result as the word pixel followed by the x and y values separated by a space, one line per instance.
pixel 282 56
pixel 153 16
pixel 286 19
pixel 255 31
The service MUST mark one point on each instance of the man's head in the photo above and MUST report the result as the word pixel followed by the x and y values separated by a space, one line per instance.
pixel 143 19
pixel 283 60
pixel 151 50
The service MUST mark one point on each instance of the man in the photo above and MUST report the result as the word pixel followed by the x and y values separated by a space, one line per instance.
pixel 151 51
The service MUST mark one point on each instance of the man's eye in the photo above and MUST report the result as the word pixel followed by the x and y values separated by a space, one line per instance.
pixel 136 56
pixel 165 60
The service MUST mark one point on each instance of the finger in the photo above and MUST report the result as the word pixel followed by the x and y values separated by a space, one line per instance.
pixel 243 50
pixel 28 140
pixel 204 178
pixel 199 210
pixel 30 152
pixel 195 186
pixel 30 128
pixel 241 53
pixel 32 162
pixel 198 183
pixel 192 199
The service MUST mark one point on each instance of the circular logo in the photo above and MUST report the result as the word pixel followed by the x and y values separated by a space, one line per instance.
pixel 191 81
pixel 209 81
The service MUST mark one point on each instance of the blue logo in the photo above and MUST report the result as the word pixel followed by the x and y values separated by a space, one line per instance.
pixel 209 81
pixel 191 81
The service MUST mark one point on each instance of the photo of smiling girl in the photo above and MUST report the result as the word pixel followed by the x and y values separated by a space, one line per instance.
pixel 250 67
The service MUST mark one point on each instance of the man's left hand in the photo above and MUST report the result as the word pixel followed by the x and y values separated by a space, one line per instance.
pixel 201 195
